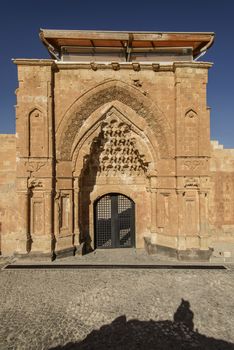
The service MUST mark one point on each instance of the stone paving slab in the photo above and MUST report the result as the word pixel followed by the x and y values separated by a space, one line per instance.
pixel 116 309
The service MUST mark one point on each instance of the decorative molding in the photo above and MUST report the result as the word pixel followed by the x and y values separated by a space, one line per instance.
pixel 192 164
pixel 156 67
pixel 190 114
pixel 115 66
pixel 136 66
pixel 93 66
pixel 85 65
pixel 191 182
pixel 137 83
pixel 33 166
pixel 33 183
pixel 154 118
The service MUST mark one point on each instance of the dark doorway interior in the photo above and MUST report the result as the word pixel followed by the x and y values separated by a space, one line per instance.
pixel 114 221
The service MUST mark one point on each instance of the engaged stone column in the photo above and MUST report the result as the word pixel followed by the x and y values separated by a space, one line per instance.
pixel 181 239
pixel 203 209
pixel 56 214
pixel 153 210
pixel 24 210
pixel 48 214
pixel 153 191
pixel 76 209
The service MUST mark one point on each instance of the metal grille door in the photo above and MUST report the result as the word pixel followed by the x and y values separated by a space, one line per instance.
pixel 114 222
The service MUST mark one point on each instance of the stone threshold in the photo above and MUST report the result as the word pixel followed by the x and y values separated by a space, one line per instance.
pixel 114 266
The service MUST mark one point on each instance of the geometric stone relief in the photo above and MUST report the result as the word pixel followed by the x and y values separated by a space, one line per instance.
pixel 192 164
pixel 190 114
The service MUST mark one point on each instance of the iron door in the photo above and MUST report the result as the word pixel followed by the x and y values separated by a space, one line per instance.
pixel 114 222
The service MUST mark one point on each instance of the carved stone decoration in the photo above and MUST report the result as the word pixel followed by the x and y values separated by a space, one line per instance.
pixel 191 182
pixel 136 66
pixel 192 164
pixel 155 67
pixel 93 66
pixel 137 83
pixel 115 152
pixel 33 183
pixel 154 118
pixel 115 66
pixel 190 114
pixel 33 167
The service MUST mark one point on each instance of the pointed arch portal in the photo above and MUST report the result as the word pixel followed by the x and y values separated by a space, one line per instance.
pixel 85 105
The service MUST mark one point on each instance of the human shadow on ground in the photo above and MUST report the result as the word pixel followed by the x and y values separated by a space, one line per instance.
pixel 150 335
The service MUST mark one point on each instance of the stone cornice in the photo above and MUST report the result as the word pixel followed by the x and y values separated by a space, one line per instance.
pixel 33 62
pixel 136 66
pixel 193 64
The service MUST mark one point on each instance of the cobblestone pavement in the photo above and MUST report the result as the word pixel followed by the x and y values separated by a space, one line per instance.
pixel 117 309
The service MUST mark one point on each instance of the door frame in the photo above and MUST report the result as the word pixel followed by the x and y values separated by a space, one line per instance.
pixel 115 221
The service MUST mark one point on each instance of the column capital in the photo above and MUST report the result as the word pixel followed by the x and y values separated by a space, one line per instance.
pixel 180 192
pixel 203 193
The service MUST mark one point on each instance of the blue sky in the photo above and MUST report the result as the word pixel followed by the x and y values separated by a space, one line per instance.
pixel 20 22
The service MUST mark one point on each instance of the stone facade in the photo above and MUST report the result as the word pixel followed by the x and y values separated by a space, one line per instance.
pixel 87 129
pixel 8 207
pixel 221 209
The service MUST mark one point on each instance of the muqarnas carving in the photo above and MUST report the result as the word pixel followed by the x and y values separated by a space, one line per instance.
pixel 114 152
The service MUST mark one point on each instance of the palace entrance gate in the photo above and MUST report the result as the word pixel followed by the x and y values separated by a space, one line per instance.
pixel 114 221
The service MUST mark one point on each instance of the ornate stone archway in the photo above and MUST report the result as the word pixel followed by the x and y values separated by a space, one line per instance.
pixel 112 90
pixel 113 153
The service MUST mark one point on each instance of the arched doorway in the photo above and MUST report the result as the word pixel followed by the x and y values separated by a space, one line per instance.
pixel 114 223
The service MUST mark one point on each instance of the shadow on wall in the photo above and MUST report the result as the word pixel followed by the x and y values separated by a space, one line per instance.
pixel 87 181
pixel 150 335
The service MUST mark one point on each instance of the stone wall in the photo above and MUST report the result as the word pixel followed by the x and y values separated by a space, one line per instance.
pixel 222 193
pixel 7 191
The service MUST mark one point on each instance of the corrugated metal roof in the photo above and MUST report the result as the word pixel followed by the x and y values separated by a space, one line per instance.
pixel 198 41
